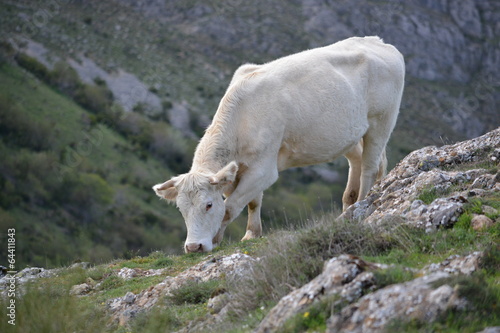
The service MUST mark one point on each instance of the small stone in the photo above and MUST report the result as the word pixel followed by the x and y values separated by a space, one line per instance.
pixel 80 289
pixel 489 210
pixel 428 163
pixel 480 222
pixel 84 265
pixel 215 304
pixel 129 298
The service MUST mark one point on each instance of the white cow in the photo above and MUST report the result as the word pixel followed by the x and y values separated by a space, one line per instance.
pixel 303 109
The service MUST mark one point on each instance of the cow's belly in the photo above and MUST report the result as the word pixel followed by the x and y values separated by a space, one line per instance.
pixel 317 146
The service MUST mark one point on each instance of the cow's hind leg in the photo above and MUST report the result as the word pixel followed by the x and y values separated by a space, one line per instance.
pixel 351 193
pixel 373 158
pixel 254 226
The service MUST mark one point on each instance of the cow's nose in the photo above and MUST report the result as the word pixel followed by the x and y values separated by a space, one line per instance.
pixel 194 247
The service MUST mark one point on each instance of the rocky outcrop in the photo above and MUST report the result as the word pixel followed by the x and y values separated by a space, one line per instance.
pixel 351 280
pixel 417 299
pixel 362 300
pixel 127 307
pixel 432 169
pixel 25 276
pixel 344 276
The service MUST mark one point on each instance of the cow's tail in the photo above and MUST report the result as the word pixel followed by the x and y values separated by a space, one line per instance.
pixel 382 168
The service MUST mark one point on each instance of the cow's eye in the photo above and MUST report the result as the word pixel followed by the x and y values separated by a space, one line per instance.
pixel 209 205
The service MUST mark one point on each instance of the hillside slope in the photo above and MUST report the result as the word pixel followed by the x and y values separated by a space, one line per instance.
pixel 72 187
pixel 165 65
pixel 386 269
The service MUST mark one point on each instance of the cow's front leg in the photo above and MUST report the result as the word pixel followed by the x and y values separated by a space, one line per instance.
pixel 249 192
pixel 254 225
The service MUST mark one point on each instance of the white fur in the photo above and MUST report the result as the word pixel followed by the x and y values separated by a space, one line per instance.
pixel 307 108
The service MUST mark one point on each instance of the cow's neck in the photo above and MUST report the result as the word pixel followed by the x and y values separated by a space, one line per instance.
pixel 217 147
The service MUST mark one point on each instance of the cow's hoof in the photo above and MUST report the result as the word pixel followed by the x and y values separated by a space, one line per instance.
pixel 250 235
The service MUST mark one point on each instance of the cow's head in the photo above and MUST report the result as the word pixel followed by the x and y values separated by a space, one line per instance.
pixel 199 198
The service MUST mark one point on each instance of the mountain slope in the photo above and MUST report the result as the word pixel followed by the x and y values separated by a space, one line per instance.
pixel 166 64
pixel 384 269
pixel 67 181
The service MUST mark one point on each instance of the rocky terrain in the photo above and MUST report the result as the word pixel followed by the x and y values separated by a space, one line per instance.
pixel 153 72
pixel 439 191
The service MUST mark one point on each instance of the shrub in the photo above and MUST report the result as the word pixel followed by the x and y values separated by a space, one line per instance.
pixel 65 78
pixel 194 292
pixel 111 282
pixel 392 275
pixel 34 66
pixel 291 260
pixel 163 262
pixel 97 99
pixel 48 309
pixel 18 129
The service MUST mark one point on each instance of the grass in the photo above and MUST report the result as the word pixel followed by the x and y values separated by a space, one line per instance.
pixel 288 260
pixel 393 275
pixel 76 184
pixel 314 318
pixel 194 292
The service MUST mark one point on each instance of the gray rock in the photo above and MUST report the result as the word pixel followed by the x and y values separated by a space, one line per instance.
pixel 80 289
pixel 397 194
pixel 489 210
pixel 84 265
pixel 343 276
pixel 123 309
pixel 456 265
pixel 417 299
pixel 129 298
pixel 480 222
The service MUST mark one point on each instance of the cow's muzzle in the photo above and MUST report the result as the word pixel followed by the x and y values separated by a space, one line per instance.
pixel 194 247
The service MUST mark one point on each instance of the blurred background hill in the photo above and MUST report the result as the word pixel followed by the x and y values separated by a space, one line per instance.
pixel 100 100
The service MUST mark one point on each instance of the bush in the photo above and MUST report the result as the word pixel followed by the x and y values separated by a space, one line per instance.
pixel 49 309
pixel 163 262
pixel 97 99
pixel 65 78
pixel 34 66
pixel 392 275
pixel 291 260
pixel 194 292
pixel 18 129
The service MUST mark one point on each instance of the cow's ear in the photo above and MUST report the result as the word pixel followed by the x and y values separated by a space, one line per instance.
pixel 166 190
pixel 226 175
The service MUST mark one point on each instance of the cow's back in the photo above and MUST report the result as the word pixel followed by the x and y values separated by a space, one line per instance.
pixel 313 106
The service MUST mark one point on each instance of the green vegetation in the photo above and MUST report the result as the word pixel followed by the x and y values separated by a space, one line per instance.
pixel 314 319
pixel 194 292
pixel 66 182
pixel 393 275
pixel 289 259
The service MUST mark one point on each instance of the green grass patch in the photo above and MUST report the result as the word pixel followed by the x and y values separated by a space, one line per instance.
pixel 392 275
pixel 47 310
pixel 194 292
pixel 163 262
pixel 428 195
pixel 166 317
pixel 312 320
